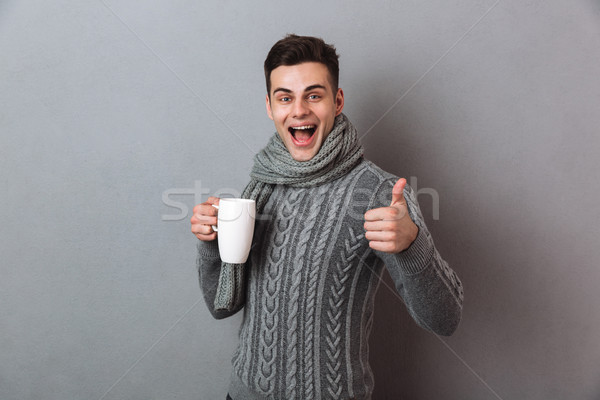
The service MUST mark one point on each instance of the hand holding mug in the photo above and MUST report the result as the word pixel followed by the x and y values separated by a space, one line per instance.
pixel 205 216
pixel 231 219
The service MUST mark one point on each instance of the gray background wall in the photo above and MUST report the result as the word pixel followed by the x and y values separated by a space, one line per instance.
pixel 106 106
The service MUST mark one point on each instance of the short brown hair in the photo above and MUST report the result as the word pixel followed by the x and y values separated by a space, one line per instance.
pixel 294 50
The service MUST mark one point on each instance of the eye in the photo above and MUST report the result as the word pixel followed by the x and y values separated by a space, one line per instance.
pixel 314 97
pixel 285 99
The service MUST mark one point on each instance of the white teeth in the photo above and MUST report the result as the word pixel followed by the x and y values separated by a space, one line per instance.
pixel 303 127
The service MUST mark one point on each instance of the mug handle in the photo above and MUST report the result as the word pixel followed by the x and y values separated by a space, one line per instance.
pixel 214 226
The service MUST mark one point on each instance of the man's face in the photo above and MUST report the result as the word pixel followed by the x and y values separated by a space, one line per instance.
pixel 303 106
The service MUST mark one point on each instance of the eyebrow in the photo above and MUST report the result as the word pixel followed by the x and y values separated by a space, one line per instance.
pixel 308 89
pixel 282 90
pixel 313 87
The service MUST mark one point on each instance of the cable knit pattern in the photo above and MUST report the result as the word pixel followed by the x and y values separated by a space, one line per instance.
pixel 294 295
pixel 242 361
pixel 311 294
pixel 312 281
pixel 334 313
pixel 268 339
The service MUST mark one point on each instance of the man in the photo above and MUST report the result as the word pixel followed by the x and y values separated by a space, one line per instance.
pixel 331 221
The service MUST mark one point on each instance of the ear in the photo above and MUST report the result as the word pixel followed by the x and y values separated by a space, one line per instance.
pixel 268 104
pixel 339 102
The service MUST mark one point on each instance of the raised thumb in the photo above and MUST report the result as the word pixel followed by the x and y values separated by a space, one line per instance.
pixel 398 192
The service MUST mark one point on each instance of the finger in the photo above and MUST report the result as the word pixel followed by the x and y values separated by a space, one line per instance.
pixel 205 209
pixel 213 200
pixel 398 192
pixel 203 219
pixel 207 205
pixel 381 236
pixel 207 238
pixel 380 225
pixel 202 229
pixel 382 213
pixel 387 247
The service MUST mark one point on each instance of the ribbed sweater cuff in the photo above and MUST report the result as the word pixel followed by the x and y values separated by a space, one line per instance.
pixel 417 256
pixel 208 249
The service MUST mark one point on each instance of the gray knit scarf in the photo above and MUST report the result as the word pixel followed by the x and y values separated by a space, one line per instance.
pixel 274 165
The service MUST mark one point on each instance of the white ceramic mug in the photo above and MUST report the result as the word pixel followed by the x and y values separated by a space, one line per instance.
pixel 235 225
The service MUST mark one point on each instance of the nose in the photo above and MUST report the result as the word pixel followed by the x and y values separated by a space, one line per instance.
pixel 300 109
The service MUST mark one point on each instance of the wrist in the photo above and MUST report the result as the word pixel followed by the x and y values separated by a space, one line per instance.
pixel 410 238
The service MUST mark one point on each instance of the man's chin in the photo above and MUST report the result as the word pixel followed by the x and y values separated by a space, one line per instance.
pixel 302 157
pixel 302 154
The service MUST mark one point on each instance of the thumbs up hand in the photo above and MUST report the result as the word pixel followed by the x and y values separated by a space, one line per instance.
pixel 390 229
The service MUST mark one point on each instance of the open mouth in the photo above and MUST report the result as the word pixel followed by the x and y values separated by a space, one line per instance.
pixel 303 134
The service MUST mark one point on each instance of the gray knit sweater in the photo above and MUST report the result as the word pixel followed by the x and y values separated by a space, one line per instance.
pixel 312 279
